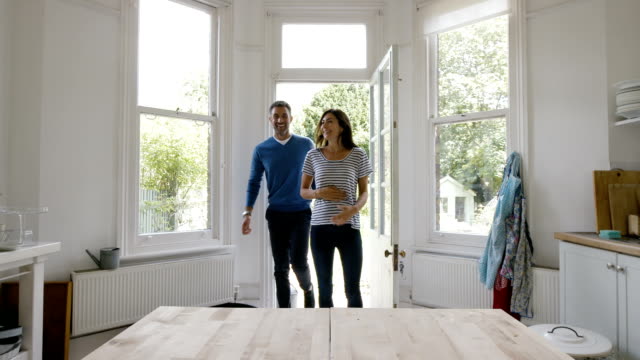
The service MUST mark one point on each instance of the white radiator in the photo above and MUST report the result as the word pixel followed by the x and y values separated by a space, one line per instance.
pixel 442 281
pixel 113 298
pixel 448 282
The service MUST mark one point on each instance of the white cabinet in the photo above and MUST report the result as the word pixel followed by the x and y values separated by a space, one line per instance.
pixel 629 305
pixel 600 290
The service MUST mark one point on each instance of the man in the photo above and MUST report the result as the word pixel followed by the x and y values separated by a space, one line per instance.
pixel 288 214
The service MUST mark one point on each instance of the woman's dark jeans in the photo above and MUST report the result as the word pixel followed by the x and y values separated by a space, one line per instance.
pixel 324 240
pixel 289 233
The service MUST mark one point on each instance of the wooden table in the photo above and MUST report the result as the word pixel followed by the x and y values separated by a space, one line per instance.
pixel 237 333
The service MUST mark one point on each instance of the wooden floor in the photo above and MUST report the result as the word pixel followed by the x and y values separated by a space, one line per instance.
pixel 338 333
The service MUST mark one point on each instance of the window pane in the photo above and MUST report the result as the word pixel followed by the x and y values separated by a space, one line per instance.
pixel 470 158
pixel 473 68
pixel 324 46
pixel 386 79
pixel 174 174
pixel 174 57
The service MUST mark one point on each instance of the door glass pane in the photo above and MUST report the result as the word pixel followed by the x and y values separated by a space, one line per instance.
pixel 387 183
pixel 386 81
pixel 174 57
pixel 375 107
pixel 387 210
pixel 386 167
pixel 470 158
pixel 174 175
pixel 473 68
pixel 324 46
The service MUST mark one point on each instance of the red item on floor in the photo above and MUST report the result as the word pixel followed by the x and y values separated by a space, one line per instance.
pixel 502 296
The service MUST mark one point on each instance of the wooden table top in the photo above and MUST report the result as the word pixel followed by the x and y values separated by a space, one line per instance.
pixel 240 333
pixel 434 334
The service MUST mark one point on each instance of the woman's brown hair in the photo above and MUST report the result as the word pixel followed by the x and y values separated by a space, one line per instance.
pixel 346 138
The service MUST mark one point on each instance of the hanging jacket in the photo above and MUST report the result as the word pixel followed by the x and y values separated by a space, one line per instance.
pixel 492 257
pixel 522 281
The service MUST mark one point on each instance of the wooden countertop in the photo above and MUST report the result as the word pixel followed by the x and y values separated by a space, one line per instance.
pixel 237 333
pixel 628 246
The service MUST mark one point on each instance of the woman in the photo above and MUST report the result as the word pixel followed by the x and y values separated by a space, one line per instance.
pixel 341 173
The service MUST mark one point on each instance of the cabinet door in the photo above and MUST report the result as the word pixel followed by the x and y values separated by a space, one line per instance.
pixel 588 289
pixel 629 306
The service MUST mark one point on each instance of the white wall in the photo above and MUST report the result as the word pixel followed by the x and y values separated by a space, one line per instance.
pixel 25 99
pixel 568 124
pixel 5 66
pixel 79 137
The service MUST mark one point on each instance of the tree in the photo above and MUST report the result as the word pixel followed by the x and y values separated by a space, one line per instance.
pixel 353 99
pixel 174 165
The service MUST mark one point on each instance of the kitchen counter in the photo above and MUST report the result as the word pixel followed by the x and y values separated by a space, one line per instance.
pixel 626 245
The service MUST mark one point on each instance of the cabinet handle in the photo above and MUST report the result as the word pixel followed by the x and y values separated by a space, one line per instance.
pixel 610 266
pixel 619 269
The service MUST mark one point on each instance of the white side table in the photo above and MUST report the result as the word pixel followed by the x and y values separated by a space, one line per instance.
pixel 29 260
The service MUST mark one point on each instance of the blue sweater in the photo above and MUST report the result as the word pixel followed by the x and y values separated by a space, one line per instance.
pixel 283 167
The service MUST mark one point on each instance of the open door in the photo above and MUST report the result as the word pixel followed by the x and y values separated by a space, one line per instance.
pixel 383 189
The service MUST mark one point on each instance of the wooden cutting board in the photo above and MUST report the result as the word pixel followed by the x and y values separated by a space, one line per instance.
pixel 601 181
pixel 623 201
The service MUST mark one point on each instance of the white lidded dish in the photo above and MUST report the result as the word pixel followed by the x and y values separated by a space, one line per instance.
pixel 574 341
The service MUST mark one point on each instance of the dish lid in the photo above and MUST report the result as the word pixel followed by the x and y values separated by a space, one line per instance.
pixel 574 341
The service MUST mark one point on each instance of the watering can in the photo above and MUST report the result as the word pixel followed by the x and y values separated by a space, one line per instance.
pixel 109 258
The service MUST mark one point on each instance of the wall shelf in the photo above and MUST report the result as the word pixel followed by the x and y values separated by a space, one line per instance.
pixel 628 121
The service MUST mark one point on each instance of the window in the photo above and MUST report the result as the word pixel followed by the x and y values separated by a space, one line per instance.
pixel 171 177
pixel 306 45
pixel 323 45
pixel 469 119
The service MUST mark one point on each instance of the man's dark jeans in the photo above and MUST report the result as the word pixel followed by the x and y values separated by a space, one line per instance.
pixel 289 233
pixel 324 240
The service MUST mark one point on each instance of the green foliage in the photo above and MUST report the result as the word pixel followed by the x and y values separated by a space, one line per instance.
pixel 353 99
pixel 173 164
pixel 473 153
pixel 473 68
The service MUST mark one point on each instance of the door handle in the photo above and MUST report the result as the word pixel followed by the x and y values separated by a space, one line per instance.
pixel 619 269
pixel 395 254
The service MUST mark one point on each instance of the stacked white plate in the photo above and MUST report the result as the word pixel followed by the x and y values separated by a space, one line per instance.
pixel 628 99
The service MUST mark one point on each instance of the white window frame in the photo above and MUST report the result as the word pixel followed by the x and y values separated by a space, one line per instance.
pixel 516 123
pixel 277 16
pixel 134 245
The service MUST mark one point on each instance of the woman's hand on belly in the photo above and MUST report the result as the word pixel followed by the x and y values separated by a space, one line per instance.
pixel 346 213
pixel 331 193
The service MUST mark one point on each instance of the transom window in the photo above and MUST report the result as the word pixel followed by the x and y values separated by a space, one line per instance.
pixel 329 46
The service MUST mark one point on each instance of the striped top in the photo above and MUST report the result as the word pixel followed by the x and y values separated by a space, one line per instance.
pixel 343 174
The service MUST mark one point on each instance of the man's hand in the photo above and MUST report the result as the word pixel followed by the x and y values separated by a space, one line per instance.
pixel 246 225
pixel 331 193
pixel 344 216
